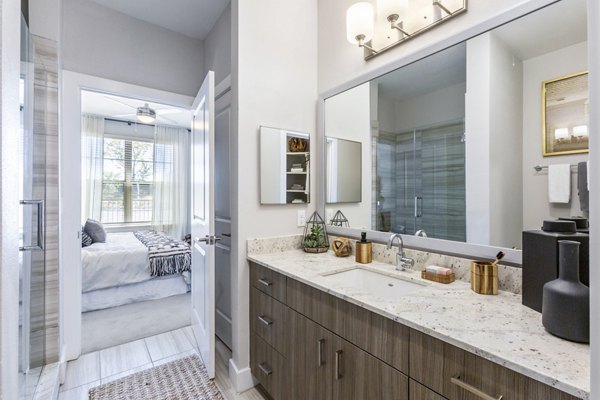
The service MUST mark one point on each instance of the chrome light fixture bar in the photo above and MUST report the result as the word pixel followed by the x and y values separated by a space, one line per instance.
pixel 409 17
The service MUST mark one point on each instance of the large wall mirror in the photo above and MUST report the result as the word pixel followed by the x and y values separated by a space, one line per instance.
pixel 449 144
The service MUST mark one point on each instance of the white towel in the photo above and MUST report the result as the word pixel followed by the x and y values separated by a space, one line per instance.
pixel 588 174
pixel 559 183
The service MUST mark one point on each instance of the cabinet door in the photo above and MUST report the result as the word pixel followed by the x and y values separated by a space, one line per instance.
pixel 311 361
pixel 357 375
pixel 420 392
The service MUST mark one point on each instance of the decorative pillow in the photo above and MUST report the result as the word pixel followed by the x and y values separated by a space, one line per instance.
pixel 95 230
pixel 86 240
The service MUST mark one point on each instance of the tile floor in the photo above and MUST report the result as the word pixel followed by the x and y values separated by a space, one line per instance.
pixel 106 365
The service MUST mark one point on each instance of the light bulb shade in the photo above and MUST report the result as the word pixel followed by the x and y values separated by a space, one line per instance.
pixel 385 8
pixel 561 133
pixel 359 22
pixel 580 131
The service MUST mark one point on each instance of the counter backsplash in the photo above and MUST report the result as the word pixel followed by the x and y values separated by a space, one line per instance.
pixel 509 278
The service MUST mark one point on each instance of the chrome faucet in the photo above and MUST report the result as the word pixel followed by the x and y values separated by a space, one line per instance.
pixel 401 261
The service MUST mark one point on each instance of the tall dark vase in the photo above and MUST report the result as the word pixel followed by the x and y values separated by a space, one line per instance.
pixel 566 301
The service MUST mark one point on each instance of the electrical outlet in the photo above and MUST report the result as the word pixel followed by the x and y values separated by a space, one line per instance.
pixel 301 217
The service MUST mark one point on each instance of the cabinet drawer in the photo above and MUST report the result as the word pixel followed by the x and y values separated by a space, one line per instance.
pixel 269 367
pixel 420 392
pixel 268 281
pixel 268 319
pixel 457 374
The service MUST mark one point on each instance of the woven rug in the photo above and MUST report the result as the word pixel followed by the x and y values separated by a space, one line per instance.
pixel 183 379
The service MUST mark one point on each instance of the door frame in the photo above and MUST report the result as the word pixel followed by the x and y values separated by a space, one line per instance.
pixel 70 182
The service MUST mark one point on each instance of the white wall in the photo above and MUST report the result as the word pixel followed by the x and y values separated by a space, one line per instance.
pixel 493 148
pixel 217 47
pixel 101 42
pixel 9 200
pixel 477 166
pixel 274 83
pixel 506 138
pixel 442 105
pixel 535 185
pixel 348 116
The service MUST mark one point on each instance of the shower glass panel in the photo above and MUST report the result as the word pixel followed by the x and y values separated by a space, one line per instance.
pixel 32 257
pixel 421 181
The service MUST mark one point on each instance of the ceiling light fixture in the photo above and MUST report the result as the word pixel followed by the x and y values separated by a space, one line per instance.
pixel 145 114
pixel 409 17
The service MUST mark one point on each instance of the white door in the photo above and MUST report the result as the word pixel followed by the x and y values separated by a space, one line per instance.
pixel 203 222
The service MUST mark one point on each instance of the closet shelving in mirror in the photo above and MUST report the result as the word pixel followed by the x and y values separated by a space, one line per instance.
pixel 297 169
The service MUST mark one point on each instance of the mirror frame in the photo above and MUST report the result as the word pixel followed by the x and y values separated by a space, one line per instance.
pixel 460 249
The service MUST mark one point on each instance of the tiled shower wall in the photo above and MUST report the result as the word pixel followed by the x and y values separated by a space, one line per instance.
pixel 44 336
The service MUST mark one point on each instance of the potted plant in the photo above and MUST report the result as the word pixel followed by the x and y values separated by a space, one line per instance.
pixel 315 235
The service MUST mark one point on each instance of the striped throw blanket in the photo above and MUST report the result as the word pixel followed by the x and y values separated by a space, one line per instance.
pixel 167 256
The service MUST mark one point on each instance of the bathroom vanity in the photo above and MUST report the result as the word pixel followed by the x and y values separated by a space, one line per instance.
pixel 316 335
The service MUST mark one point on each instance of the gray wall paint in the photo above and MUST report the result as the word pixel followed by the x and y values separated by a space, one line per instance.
pixel 217 47
pixel 101 42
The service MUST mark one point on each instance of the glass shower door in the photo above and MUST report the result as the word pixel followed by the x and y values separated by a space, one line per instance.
pixel 32 257
pixel 439 181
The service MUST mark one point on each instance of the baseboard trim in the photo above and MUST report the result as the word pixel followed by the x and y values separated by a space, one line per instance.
pixel 241 378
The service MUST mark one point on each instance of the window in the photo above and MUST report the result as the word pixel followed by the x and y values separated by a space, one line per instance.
pixel 128 175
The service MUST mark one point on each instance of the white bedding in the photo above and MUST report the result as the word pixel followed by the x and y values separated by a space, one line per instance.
pixel 122 260
pixel 156 288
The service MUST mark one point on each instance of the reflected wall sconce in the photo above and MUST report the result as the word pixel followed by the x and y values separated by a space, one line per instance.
pixel 405 19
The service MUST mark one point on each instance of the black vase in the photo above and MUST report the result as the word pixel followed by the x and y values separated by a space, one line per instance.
pixel 566 301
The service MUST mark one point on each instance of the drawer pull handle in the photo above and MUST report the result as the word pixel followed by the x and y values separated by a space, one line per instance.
pixel 265 320
pixel 265 369
pixel 472 389
pixel 320 360
pixel 265 282
pixel 338 365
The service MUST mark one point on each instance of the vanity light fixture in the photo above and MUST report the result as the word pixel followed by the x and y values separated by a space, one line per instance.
pixel 561 133
pixel 409 17
pixel 146 114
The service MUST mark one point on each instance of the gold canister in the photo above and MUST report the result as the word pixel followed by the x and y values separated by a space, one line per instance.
pixel 364 250
pixel 484 277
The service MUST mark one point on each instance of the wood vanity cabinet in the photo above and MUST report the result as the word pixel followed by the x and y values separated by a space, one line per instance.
pixel 309 345
pixel 457 374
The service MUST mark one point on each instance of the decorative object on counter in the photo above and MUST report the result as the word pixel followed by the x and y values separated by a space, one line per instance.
pixel 581 223
pixel 315 235
pixel 540 258
pixel 339 219
pixel 341 247
pixel 484 275
pixel 566 301
pixel 296 144
pixel 364 249
pixel 438 274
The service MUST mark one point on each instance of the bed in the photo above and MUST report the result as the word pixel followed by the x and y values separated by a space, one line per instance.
pixel 131 267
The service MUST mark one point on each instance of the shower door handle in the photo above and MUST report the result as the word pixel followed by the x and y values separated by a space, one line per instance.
pixel 418 206
pixel 41 217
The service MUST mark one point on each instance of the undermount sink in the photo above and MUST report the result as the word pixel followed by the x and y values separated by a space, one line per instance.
pixel 368 281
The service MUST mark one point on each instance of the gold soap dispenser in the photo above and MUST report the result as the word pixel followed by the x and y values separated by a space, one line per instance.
pixel 364 249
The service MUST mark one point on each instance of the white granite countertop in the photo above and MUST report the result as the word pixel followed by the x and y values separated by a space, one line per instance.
pixel 498 328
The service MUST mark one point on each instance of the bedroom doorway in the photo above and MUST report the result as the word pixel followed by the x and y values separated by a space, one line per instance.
pixel 135 202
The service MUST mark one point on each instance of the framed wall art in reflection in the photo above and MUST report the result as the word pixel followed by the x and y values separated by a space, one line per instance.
pixel 565 110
